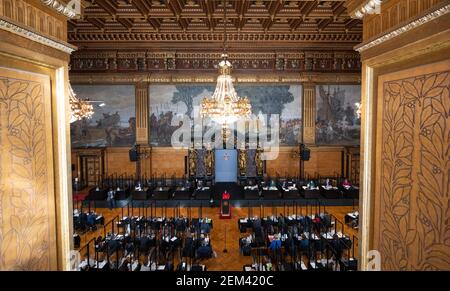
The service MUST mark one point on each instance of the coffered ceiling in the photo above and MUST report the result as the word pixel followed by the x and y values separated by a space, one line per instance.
pixel 200 24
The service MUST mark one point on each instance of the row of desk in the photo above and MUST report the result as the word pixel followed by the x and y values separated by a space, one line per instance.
pixel 280 193
pixel 158 193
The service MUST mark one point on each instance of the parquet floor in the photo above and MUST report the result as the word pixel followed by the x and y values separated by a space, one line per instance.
pixel 225 233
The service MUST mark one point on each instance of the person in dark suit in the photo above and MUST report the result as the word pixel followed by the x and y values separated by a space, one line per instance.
pixel 282 226
pixel 275 244
pixel 205 227
pixel 256 223
pixel 304 245
pixel 204 251
pixel 111 198
pixel 91 220
pixel 144 245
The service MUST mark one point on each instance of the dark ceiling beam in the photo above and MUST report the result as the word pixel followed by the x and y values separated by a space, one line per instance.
pixel 175 6
pixel 142 6
pixel 338 8
pixel 126 22
pixel 97 22
pixel 273 8
pixel 208 9
pixel 295 23
pixel 109 6
pixel 351 23
pixel 154 22
pixel 184 23
pixel 323 23
pixel 307 9
pixel 241 7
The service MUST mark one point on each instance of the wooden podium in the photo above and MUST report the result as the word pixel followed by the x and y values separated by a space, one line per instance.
pixel 225 207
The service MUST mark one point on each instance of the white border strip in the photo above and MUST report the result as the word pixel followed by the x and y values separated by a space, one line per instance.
pixel 8 26
pixel 427 18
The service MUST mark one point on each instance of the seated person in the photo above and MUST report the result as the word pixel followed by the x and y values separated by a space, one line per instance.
pixel 144 244
pixel 91 220
pixel 275 244
pixel 328 184
pixel 346 184
pixel 273 185
pixel 256 223
pixel 311 185
pixel 204 251
pixel 129 247
pixel 205 227
pixel 304 243
pixel 138 186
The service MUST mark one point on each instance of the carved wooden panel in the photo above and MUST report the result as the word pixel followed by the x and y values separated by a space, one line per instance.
pixel 141 113
pixel 27 205
pixel 393 13
pixel 412 183
pixel 309 114
pixel 131 60
pixel 31 16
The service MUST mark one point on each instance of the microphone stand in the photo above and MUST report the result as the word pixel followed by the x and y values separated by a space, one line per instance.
pixel 225 247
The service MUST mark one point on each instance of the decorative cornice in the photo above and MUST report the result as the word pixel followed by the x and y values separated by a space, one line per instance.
pixel 368 7
pixel 175 36
pixel 211 78
pixel 104 61
pixel 28 34
pixel 60 8
pixel 399 31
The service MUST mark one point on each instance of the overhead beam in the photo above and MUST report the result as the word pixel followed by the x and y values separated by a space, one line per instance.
pixel 126 22
pixel 142 6
pixel 154 22
pixel 322 24
pixel 97 22
pixel 273 8
pixel 351 23
pixel 307 9
pixel 109 6
pixel 338 8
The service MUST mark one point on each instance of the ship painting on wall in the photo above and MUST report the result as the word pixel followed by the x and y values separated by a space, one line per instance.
pixel 113 124
pixel 168 101
pixel 338 121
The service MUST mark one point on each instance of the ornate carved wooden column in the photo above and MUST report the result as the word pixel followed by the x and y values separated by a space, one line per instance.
pixel 309 113
pixel 142 113
pixel 143 166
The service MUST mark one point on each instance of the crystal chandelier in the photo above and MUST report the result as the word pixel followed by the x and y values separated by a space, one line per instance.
pixel 225 106
pixel 79 109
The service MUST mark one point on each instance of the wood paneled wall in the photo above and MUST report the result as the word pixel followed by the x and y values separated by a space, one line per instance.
pixel 394 13
pixel 35 204
pixel 405 201
pixel 324 161
pixel 412 196
pixel 36 16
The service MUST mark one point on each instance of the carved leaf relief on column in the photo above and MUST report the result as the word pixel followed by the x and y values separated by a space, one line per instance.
pixel 414 201
pixel 26 241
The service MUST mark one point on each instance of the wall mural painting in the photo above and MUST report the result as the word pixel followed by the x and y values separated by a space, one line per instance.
pixel 337 120
pixel 114 120
pixel 168 101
